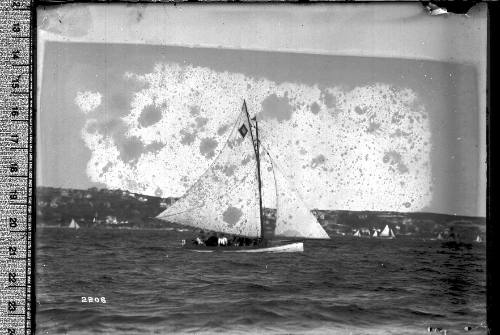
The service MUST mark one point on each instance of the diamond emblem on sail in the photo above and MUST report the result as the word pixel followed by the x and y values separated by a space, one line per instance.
pixel 243 131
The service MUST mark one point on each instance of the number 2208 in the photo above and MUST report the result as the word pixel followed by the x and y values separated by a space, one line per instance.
pixel 101 300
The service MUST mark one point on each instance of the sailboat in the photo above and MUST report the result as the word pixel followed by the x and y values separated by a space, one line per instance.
pixel 375 233
pixel 440 236
pixel 387 233
pixel 227 198
pixel 73 224
pixel 478 239
pixel 357 233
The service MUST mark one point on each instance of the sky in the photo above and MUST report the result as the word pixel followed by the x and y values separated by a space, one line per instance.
pixel 350 132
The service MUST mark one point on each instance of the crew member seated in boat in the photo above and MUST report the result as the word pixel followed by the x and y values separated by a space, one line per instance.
pixel 195 241
pixel 201 238
pixel 222 241
pixel 234 241
pixel 212 241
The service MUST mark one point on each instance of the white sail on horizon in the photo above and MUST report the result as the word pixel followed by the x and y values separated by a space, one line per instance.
pixel 73 224
pixel 387 232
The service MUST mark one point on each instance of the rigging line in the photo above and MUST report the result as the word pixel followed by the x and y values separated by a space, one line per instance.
pixel 184 211
pixel 211 164
pixel 251 133
pixel 255 144
pixel 291 185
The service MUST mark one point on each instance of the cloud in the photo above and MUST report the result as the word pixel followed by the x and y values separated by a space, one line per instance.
pixel 88 101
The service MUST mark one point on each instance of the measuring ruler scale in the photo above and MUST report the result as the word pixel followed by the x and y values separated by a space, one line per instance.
pixel 16 165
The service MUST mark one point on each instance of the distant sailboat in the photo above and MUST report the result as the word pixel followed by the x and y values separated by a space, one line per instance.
pixel 387 233
pixel 73 224
pixel 357 233
pixel 478 239
pixel 375 233
pixel 227 198
pixel 94 219
pixel 440 236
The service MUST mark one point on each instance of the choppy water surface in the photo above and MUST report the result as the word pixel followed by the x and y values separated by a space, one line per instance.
pixel 342 286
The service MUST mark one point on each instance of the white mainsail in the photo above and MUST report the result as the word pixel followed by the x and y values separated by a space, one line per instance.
pixel 225 198
pixel 293 218
pixel 357 233
pixel 387 232
pixel 73 224
pixel 375 233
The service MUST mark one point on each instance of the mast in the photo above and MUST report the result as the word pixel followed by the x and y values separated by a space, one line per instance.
pixel 259 180
pixel 257 157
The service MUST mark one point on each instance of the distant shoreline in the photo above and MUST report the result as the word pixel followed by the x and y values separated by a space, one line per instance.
pixel 117 209
pixel 108 228
pixel 386 212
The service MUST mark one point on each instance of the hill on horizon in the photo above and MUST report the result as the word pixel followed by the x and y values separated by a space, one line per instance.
pixel 94 207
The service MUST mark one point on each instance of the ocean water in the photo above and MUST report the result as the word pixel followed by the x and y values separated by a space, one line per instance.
pixel 342 286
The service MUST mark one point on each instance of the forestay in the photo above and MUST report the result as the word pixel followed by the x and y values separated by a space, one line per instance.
pixel 225 198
